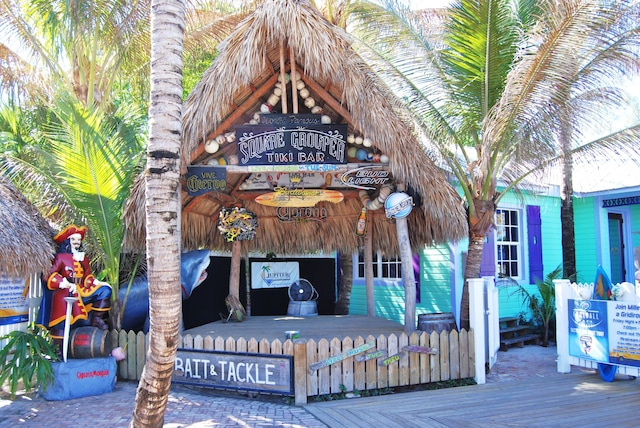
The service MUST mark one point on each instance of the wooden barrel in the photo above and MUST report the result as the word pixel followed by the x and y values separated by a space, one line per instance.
pixel 437 322
pixel 89 342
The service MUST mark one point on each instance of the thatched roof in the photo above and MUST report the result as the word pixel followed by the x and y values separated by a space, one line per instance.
pixel 243 78
pixel 27 239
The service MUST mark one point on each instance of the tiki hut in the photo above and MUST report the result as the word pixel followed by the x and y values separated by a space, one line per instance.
pixel 286 62
pixel 27 238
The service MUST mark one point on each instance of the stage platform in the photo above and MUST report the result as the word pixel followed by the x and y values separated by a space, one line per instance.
pixel 310 327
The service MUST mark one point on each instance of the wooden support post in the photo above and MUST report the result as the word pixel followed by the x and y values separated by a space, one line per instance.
pixel 294 81
pixel 234 275
pixel 300 372
pixel 283 82
pixel 408 276
pixel 368 273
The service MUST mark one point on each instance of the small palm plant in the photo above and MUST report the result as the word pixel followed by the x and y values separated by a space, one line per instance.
pixel 26 357
pixel 543 303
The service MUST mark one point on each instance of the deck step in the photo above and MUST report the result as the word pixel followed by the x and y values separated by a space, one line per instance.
pixel 519 341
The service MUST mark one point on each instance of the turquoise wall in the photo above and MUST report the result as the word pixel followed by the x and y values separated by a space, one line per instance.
pixel 585 226
pixel 435 294
pixel 509 298
pixel 437 270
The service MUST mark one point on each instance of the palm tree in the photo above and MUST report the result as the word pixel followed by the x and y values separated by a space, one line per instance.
pixel 77 164
pixel 86 48
pixel 497 85
pixel 163 211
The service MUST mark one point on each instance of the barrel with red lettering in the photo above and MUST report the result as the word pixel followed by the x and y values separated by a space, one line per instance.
pixel 89 342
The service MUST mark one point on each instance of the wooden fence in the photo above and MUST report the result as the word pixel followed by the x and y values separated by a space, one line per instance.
pixel 403 359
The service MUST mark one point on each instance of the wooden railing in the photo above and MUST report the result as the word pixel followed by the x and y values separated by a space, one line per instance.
pixel 403 361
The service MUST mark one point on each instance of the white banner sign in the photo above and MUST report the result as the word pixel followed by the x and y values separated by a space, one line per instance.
pixel 274 274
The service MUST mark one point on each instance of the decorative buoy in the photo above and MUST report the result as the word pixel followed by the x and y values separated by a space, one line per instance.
pixel 211 146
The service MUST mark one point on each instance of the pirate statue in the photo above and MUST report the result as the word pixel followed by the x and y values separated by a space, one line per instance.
pixel 70 276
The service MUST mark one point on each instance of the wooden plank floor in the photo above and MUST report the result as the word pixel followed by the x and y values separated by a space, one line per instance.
pixel 310 327
pixel 579 398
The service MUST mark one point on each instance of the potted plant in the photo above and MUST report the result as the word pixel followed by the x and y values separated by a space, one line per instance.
pixel 543 303
pixel 27 358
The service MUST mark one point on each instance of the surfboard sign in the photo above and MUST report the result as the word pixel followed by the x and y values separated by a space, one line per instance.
pixel 285 197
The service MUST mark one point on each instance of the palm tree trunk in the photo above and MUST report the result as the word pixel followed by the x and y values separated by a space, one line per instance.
pixel 566 215
pixel 480 222
pixel 163 211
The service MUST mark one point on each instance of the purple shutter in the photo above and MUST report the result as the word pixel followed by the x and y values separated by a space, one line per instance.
pixel 534 225
pixel 488 263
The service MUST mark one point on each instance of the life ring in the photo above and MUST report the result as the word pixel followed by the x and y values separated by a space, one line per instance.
pixel 378 202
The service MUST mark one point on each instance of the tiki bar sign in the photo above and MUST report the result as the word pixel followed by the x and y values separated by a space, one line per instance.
pixel 291 144
pixel 203 179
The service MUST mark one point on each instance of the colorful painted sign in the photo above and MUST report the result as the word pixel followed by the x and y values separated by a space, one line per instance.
pixel 288 145
pixel 240 371
pixel 381 353
pixel 342 356
pixel 204 179
pixel 274 274
pixel 366 178
pixel 605 331
pixel 420 349
pixel 284 197
pixel 14 302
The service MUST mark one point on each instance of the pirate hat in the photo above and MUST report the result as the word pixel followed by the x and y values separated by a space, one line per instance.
pixel 68 231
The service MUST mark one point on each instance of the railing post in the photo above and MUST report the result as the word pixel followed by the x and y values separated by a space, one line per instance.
pixel 476 321
pixel 563 292
pixel 300 366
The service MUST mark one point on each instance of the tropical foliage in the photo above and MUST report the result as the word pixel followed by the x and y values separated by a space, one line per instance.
pixel 501 88
pixel 541 302
pixel 27 358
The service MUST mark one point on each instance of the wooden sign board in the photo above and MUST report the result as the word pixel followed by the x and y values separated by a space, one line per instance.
pixel 291 144
pixel 235 370
pixel 420 349
pixel 284 197
pixel 342 356
pixel 381 353
pixel 391 359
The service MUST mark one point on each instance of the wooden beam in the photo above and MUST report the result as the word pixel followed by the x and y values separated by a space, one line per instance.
pixel 235 115
pixel 328 98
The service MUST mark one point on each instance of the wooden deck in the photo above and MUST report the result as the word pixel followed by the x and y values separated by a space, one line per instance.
pixel 580 398
pixel 310 327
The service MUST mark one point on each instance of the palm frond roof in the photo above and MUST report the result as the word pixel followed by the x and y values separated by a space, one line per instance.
pixel 292 37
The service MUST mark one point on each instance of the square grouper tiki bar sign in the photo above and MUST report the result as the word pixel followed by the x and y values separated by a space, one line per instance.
pixel 266 144
pixel 235 370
